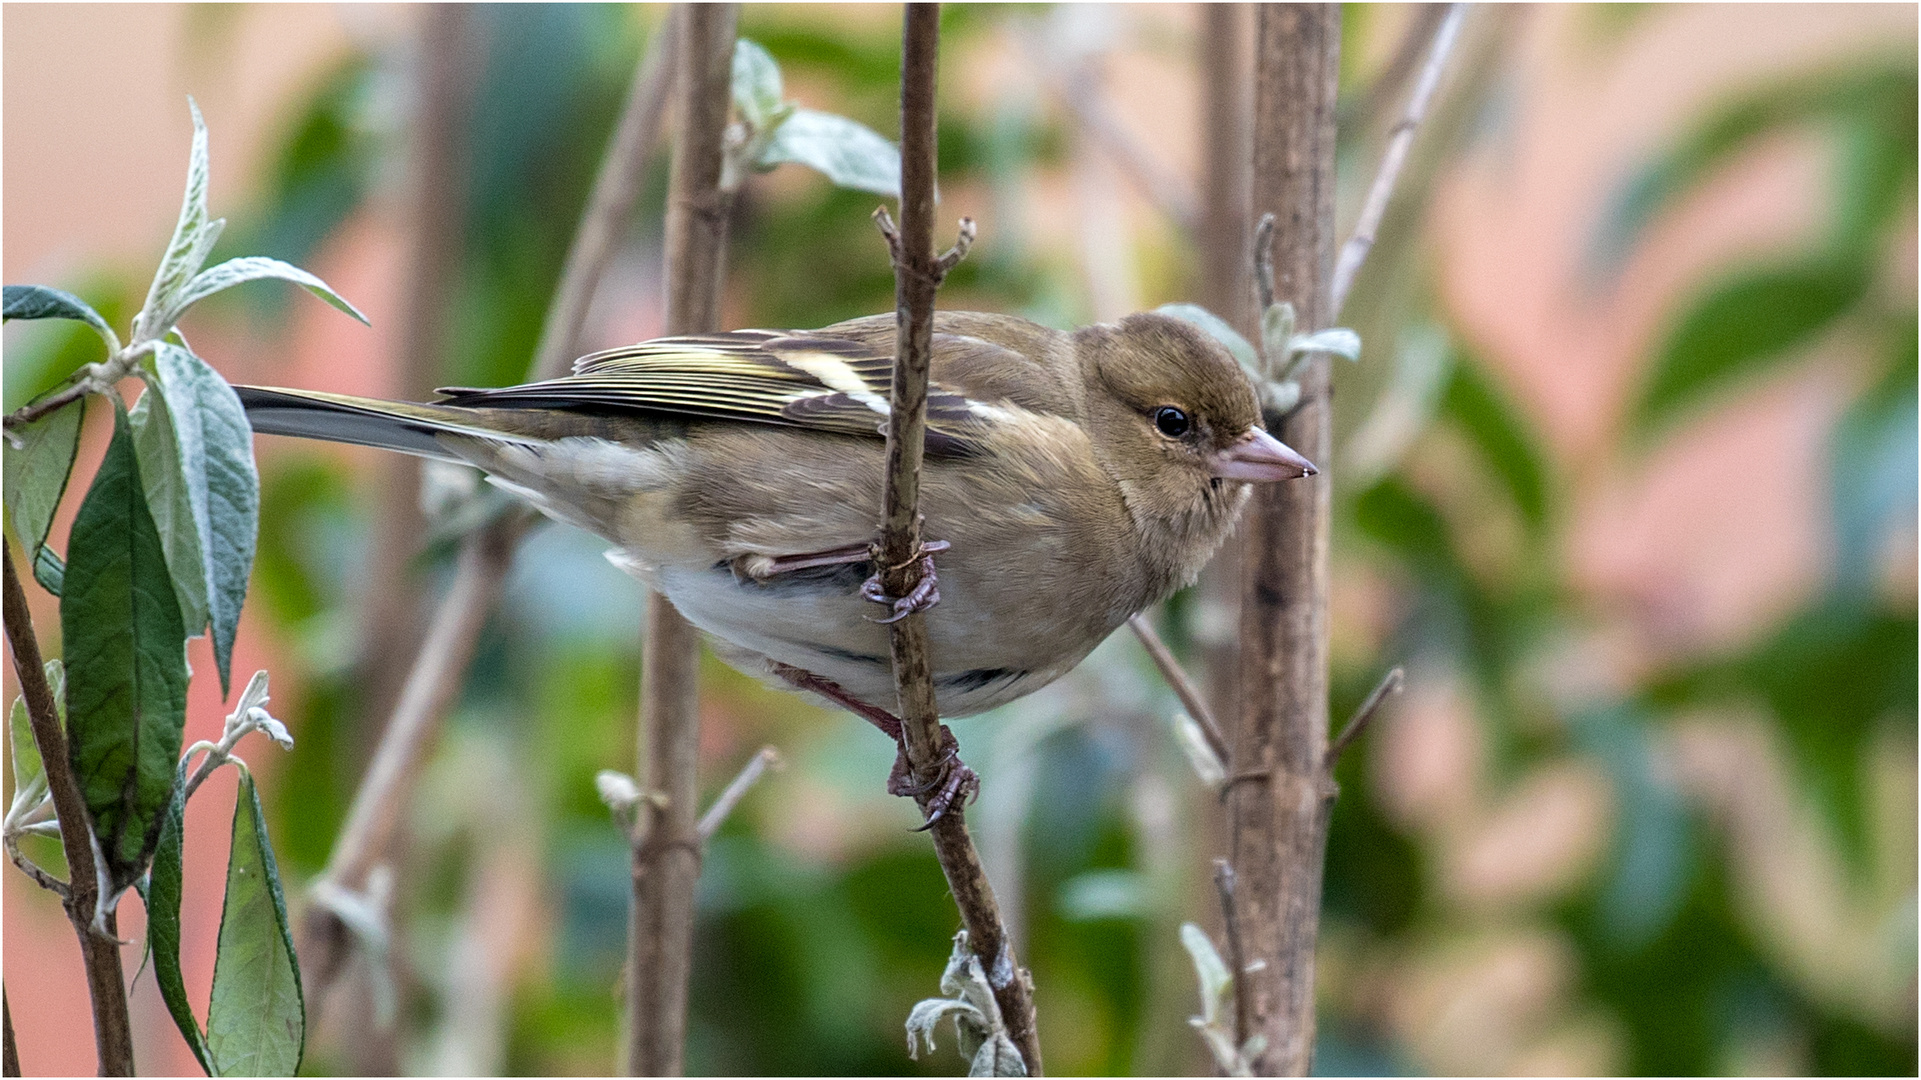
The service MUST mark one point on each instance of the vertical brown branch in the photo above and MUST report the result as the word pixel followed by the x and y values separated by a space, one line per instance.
pixel 1279 814
pixel 666 863
pixel 917 275
pixel 106 985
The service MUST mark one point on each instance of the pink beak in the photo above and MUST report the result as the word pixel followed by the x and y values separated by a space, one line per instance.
pixel 1260 457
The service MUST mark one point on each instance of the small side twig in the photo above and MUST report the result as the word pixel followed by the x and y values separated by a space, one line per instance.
pixel 1183 686
pixel 723 805
pixel 1236 958
pixel 1393 159
pixel 112 1030
pixel 1390 683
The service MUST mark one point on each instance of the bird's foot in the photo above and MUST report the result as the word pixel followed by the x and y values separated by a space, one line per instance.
pixel 953 783
pixel 925 594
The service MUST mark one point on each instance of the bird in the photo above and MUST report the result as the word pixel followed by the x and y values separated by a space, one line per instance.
pixel 1071 479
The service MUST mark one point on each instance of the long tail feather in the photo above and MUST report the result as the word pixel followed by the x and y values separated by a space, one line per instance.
pixel 389 425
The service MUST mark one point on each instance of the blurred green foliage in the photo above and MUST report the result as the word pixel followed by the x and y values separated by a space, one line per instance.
pixel 809 963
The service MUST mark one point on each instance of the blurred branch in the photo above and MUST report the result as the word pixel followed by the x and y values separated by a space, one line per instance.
pixel 917 275
pixel 391 602
pixel 442 660
pixel 1393 159
pixel 112 1030
pixel 666 863
pixel 750 774
pixel 1279 798
pixel 1080 91
pixel 1390 683
pixel 1361 112
pixel 1183 686
pixel 609 208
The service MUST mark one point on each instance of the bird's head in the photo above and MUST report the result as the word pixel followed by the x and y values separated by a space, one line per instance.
pixel 1177 422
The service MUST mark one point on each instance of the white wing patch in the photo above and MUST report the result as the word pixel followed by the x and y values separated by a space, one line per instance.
pixel 836 374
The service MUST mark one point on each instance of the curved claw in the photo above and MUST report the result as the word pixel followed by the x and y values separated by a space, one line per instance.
pixel 953 783
pixel 926 593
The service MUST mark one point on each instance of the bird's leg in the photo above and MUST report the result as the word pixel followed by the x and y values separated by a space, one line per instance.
pixel 762 567
pixel 952 782
pixel 887 722
pixel 925 595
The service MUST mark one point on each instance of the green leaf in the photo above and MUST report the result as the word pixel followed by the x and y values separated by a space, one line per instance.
pixel 164 890
pixel 1885 93
pixel 1873 469
pixel 49 570
pixel 1210 970
pixel 850 154
pixel 28 769
pixel 216 484
pixel 1339 340
pixel 41 302
pixel 256 1018
pixel 1743 325
pixel 164 480
pixel 1510 449
pixel 756 86
pixel 252 268
pixel 126 666
pixel 193 239
pixel 35 472
pixel 1218 328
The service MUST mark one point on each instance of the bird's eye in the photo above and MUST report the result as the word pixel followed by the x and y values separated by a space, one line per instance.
pixel 1170 421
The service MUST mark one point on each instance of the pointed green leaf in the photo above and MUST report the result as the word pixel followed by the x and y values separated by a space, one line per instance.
pixel 41 302
pixel 36 471
pixel 193 238
pixel 253 268
pixel 28 769
pixel 1506 444
pixel 850 154
pixel 1210 970
pixel 1216 326
pixel 126 666
pixel 1885 93
pixel 163 920
pixel 1339 340
pixel 169 500
pixel 1743 325
pixel 256 1019
pixel 214 445
pixel 756 84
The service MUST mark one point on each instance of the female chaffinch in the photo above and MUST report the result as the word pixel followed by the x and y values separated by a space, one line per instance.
pixel 1076 478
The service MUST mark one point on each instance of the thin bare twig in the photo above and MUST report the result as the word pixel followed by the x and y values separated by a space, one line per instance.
pixel 749 775
pixel 1360 113
pixel 666 864
pixel 112 1031
pixel 1393 159
pixel 917 274
pixel 1236 957
pixel 1390 683
pixel 1191 697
